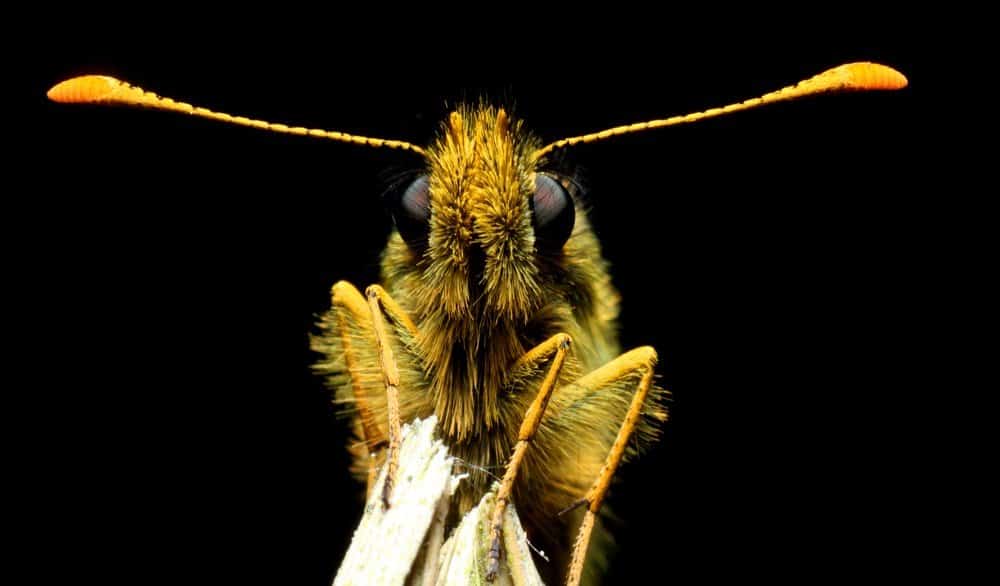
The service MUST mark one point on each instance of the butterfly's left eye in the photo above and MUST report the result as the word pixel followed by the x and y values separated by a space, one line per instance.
pixel 411 212
pixel 552 212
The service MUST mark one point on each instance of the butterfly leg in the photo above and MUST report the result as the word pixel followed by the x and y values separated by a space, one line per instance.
pixel 639 360
pixel 381 305
pixel 557 346
pixel 352 306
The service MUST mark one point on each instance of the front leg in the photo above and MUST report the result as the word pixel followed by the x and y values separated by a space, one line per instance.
pixel 380 301
pixel 559 345
pixel 639 360
pixel 350 306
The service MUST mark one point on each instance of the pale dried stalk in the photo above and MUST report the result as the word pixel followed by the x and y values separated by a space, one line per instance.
pixel 388 544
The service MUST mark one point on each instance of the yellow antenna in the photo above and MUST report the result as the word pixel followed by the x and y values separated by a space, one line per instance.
pixel 845 78
pixel 101 89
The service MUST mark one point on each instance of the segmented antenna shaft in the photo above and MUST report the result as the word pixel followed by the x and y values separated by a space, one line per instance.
pixel 850 77
pixel 102 89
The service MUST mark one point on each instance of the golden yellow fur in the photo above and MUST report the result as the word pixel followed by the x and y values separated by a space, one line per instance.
pixel 481 296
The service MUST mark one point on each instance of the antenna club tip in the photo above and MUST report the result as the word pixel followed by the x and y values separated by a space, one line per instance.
pixel 874 76
pixel 83 89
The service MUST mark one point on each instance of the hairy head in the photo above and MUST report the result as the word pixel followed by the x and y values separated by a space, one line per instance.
pixel 479 217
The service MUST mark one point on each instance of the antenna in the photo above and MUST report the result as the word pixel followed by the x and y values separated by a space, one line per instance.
pixel 851 77
pixel 101 89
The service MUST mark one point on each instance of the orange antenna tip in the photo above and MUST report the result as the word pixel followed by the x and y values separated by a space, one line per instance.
pixel 83 89
pixel 881 77
pixel 861 77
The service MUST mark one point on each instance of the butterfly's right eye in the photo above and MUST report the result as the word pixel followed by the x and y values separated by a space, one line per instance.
pixel 411 212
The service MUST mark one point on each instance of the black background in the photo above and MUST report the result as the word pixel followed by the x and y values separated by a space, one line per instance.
pixel 174 268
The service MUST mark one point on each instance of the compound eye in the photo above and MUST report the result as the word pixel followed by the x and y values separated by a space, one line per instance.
pixel 411 212
pixel 553 213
